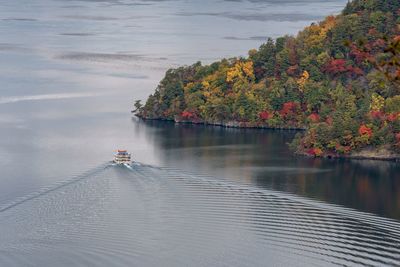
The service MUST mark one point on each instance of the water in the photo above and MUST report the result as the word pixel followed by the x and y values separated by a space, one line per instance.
pixel 115 216
pixel 69 72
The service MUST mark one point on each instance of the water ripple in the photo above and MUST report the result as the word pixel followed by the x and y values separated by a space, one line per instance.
pixel 148 216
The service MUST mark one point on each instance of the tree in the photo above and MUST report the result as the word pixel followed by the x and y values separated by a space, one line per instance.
pixel 264 60
pixel 392 104
pixel 339 78
pixel 138 106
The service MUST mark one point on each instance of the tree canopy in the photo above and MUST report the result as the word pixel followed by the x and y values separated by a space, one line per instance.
pixel 338 78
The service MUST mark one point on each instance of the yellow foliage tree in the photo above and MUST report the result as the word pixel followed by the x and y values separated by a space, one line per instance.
pixel 377 102
pixel 241 70
pixel 314 35
pixel 302 80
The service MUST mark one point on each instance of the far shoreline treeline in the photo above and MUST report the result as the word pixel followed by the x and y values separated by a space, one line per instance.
pixel 339 80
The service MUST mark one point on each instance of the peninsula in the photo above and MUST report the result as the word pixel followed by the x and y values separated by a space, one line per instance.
pixel 339 80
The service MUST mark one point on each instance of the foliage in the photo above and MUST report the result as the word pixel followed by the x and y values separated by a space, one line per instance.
pixel 339 79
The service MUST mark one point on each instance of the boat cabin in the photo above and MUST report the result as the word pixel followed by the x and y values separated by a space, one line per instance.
pixel 122 157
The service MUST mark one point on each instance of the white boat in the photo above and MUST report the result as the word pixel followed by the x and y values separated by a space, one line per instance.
pixel 122 157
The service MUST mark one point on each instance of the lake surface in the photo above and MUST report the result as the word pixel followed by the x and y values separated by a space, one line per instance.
pixel 203 196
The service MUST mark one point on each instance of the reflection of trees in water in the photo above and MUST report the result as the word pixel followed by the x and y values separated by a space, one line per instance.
pixel 262 157
pixel 233 147
pixel 226 149
pixel 371 186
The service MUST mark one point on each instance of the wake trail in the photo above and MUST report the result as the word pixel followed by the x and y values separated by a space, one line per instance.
pixel 390 226
pixel 54 187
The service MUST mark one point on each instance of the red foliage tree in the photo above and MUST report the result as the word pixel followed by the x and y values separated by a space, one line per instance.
pixel 365 130
pixel 359 55
pixel 379 43
pixel 316 152
pixel 293 70
pixel 398 138
pixel 392 117
pixel 265 115
pixel 355 70
pixel 336 66
pixel 341 66
pixel 188 115
pixel 377 115
pixel 314 117
pixel 329 120
pixel 289 108
pixel 342 149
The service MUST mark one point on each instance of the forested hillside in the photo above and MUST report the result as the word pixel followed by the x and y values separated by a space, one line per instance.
pixel 338 79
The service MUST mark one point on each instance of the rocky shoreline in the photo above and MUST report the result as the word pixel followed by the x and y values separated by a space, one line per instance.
pixel 229 124
pixel 369 153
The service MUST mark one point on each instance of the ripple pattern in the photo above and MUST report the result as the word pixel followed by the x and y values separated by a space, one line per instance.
pixel 149 216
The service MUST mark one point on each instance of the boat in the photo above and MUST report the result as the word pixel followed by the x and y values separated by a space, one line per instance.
pixel 122 157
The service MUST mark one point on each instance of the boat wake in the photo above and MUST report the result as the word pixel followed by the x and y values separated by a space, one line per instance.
pixel 57 186
pixel 141 215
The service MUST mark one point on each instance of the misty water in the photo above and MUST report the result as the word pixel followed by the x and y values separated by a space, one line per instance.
pixel 197 196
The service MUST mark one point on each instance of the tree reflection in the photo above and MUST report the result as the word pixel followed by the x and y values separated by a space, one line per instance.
pixel 261 157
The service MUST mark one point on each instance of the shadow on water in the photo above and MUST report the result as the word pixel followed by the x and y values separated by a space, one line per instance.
pixel 262 158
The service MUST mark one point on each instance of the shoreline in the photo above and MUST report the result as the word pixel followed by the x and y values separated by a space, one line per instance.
pixel 351 157
pixel 365 154
pixel 230 124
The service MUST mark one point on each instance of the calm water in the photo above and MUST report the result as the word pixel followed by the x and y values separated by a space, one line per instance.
pixel 69 72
